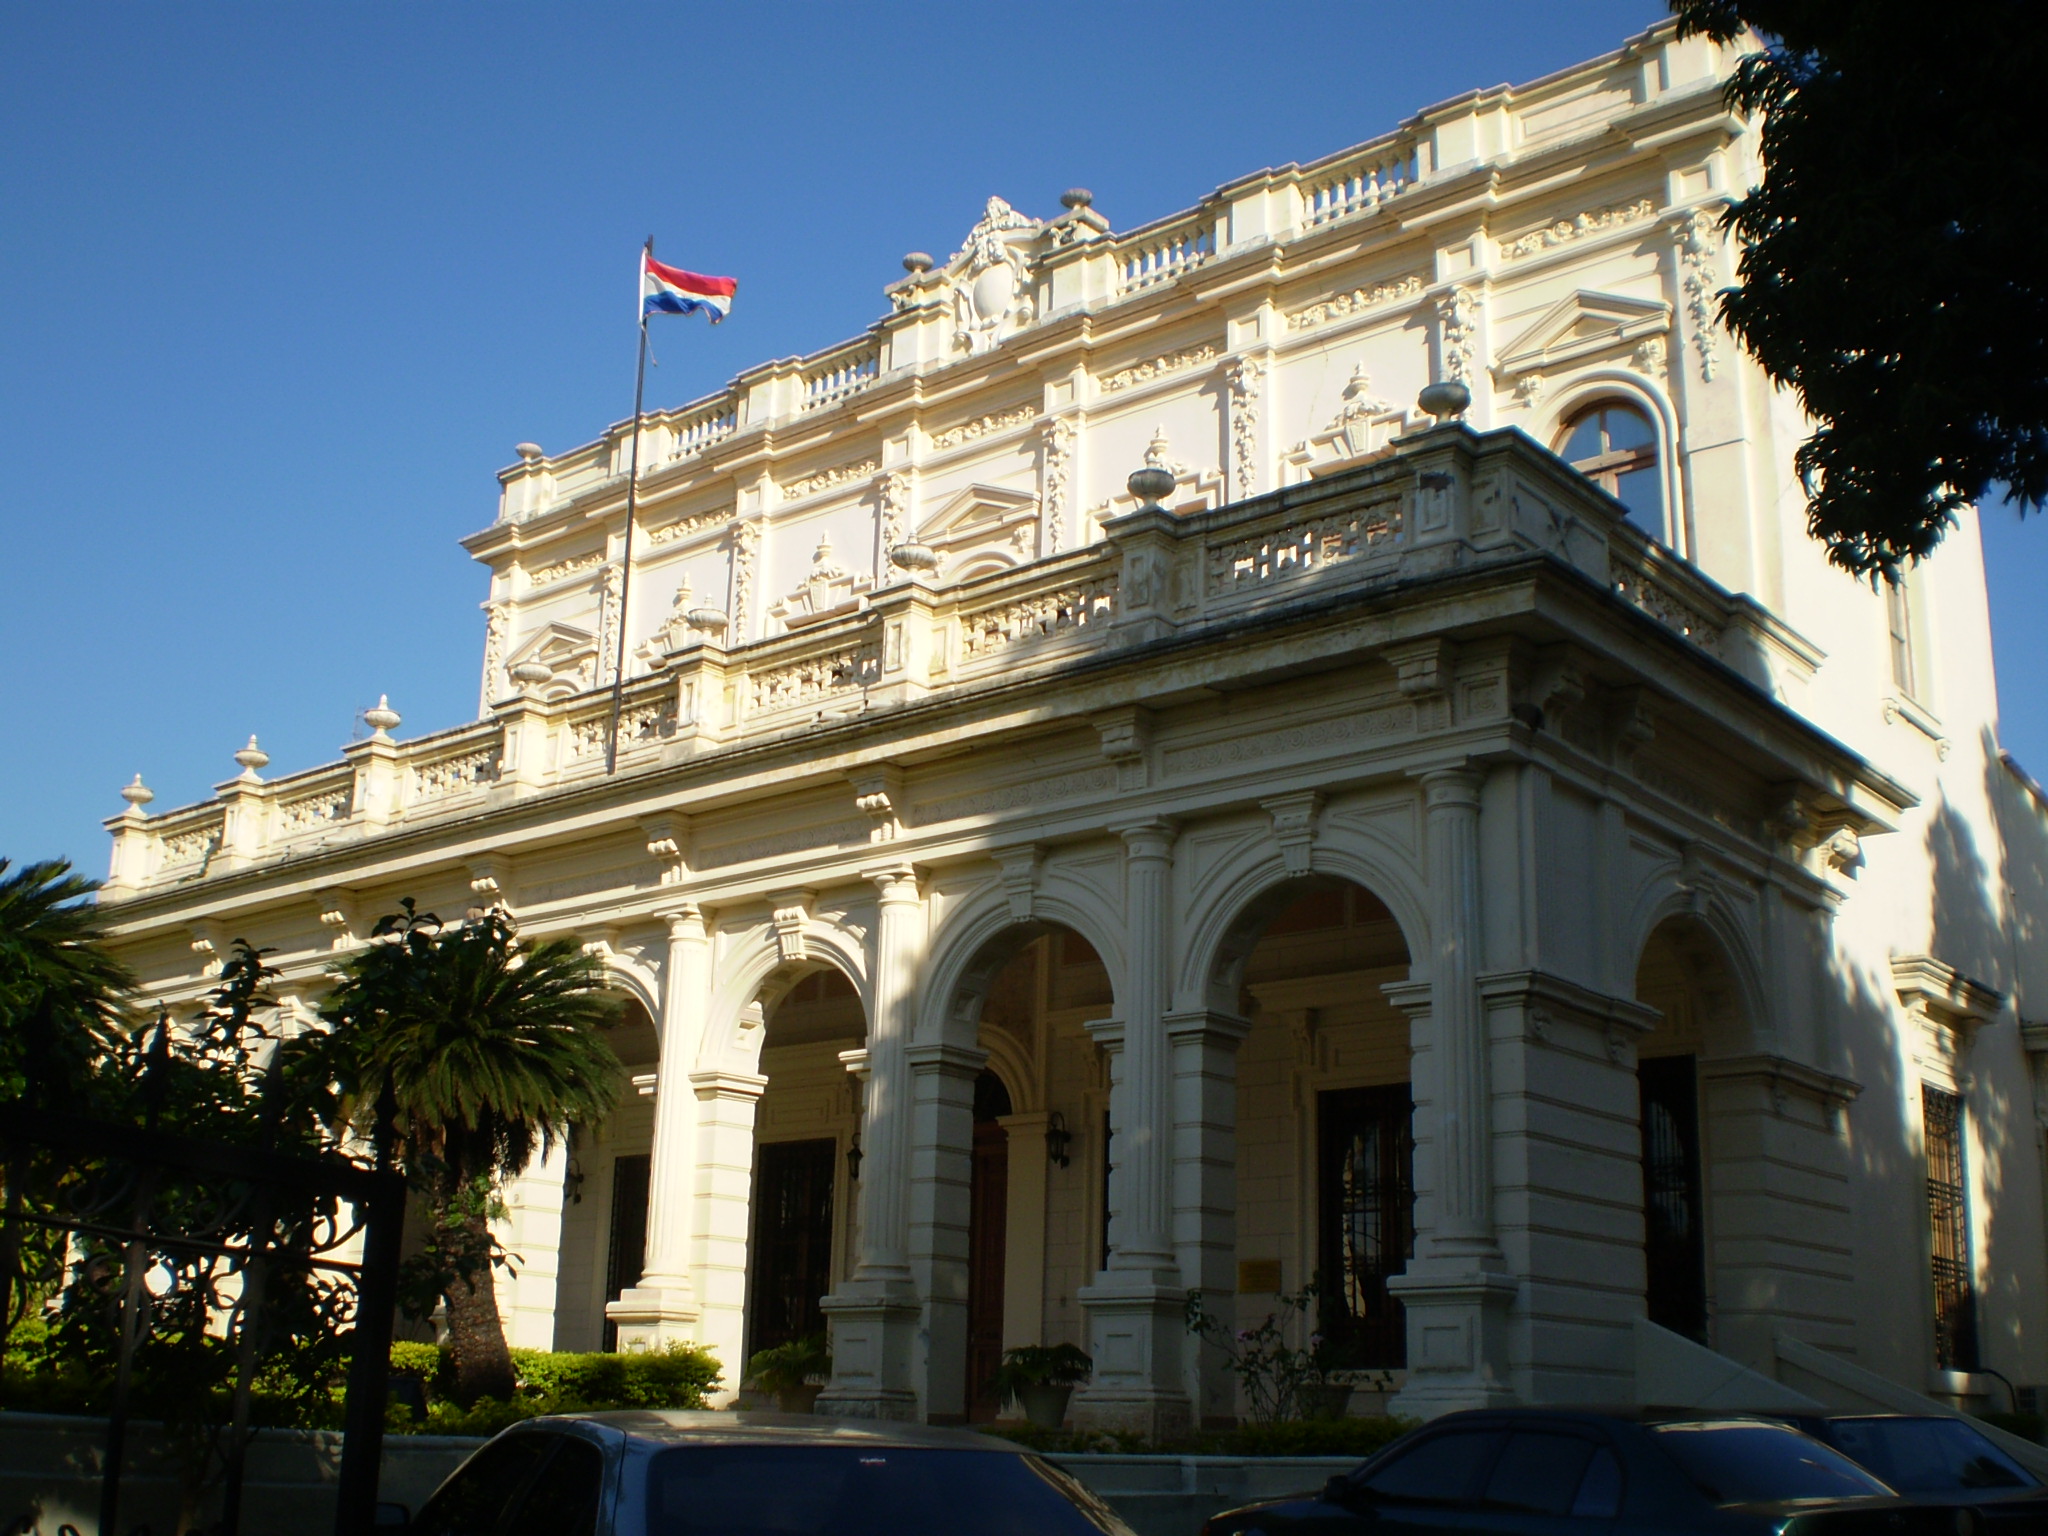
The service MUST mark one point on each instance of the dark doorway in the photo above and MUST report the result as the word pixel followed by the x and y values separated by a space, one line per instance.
pixel 1366 1190
pixel 627 1253
pixel 791 1247
pixel 988 1221
pixel 1674 1233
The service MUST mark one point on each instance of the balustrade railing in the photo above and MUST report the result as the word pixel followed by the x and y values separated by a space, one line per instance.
pixel 1358 182
pixel 1381 521
pixel 841 375
pixel 694 429
pixel 1147 257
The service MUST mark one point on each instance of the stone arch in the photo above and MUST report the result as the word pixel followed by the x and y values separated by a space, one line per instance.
pixel 1694 969
pixel 1610 383
pixel 975 943
pixel 1715 931
pixel 1244 894
pixel 756 973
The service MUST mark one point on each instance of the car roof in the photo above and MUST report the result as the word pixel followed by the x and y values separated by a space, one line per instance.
pixel 684 1426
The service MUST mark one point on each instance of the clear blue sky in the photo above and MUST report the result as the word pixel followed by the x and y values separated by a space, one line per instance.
pixel 281 285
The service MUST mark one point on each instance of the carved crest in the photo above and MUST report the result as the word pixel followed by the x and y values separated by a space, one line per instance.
pixel 990 278
pixel 826 589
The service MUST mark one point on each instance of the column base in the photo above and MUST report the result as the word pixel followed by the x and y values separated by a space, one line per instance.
pixel 651 1316
pixel 1457 1338
pixel 1137 1330
pixel 872 1337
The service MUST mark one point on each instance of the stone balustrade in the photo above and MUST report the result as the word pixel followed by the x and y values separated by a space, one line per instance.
pixel 1447 500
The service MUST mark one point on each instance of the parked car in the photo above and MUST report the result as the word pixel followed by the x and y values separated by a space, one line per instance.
pixel 1938 1460
pixel 751 1474
pixel 1547 1472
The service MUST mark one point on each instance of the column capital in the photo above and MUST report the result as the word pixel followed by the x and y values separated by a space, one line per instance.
pixel 1107 1033
pixel 855 1062
pixel 897 882
pixel 1452 784
pixel 947 1058
pixel 1206 1026
pixel 718 1083
pixel 684 922
pixel 1149 839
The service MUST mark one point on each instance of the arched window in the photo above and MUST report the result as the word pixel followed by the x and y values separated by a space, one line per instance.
pixel 1614 444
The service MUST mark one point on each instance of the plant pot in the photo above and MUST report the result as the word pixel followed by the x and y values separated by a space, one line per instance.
pixel 803 1399
pixel 1328 1401
pixel 1045 1404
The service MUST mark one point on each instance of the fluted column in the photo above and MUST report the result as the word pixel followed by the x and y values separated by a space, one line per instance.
pixel 1464 1190
pixel 1456 1291
pixel 885 1170
pixel 662 1304
pixel 1141 1110
pixel 1135 1305
pixel 874 1316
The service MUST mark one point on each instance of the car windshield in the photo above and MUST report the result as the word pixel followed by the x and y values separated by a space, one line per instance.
pixel 812 1490
pixel 1928 1455
pixel 1749 1463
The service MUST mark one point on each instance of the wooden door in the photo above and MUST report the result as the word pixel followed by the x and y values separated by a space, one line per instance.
pixel 627 1253
pixel 790 1256
pixel 988 1215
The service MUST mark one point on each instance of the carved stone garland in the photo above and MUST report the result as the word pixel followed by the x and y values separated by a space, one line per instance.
pixel 1246 377
pixel 497 627
pixel 1056 442
pixel 1457 315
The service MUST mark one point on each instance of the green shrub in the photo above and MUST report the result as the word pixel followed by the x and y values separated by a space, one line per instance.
pixel 550 1381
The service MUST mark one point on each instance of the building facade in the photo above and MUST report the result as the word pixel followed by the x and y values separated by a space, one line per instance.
pixel 1113 799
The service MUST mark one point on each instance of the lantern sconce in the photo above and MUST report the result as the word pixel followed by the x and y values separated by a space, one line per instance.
pixel 853 1158
pixel 1057 1139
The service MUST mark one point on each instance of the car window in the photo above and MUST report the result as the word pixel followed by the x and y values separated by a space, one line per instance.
pixel 1928 1455
pixel 471 1501
pixel 1442 1469
pixel 853 1490
pixel 1539 1473
pixel 1742 1462
pixel 1599 1494
pixel 562 1500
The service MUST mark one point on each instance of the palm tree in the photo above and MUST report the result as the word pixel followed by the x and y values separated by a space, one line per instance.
pixel 60 991
pixel 60 998
pixel 484 1048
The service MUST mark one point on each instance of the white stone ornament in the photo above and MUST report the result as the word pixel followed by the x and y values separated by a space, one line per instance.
pixel 382 720
pixel 991 278
pixel 253 760
pixel 137 793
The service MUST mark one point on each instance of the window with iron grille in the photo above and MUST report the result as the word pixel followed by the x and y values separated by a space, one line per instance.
pixel 1367 1189
pixel 1948 1215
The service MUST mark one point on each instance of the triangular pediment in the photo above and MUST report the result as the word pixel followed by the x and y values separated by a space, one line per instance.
pixel 568 653
pixel 1581 325
pixel 977 512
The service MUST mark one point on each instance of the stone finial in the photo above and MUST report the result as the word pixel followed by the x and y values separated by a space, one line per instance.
pixel 382 720
pixel 530 452
pixel 529 673
pixel 1076 198
pixel 253 759
pixel 1446 400
pixel 1148 485
pixel 137 794
pixel 917 261
pixel 708 622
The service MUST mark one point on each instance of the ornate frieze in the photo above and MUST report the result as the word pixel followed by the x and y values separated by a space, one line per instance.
pixel 573 565
pixel 1342 305
pixel 983 426
pixel 826 479
pixel 690 527
pixel 1577 227
pixel 1160 366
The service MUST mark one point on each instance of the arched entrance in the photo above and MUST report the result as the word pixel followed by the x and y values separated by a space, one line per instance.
pixel 603 1244
pixel 1684 974
pixel 1325 1186
pixel 801 1234
pixel 1031 1150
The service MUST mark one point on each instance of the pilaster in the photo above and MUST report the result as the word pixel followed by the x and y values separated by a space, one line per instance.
pixel 662 1304
pixel 874 1316
pixel 941 1168
pixel 1204 1046
pixel 1135 1307
pixel 722 1219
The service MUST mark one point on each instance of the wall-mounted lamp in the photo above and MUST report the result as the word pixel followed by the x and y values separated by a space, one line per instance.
pixel 572 1178
pixel 853 1157
pixel 1057 1139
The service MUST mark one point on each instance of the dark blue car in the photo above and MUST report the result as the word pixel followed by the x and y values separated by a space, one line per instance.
pixel 1549 1472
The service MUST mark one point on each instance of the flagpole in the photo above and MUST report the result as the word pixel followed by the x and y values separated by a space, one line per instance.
pixel 611 740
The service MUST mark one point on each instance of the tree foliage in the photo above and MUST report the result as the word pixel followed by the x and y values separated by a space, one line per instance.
pixel 1890 267
pixel 486 1048
pixel 60 991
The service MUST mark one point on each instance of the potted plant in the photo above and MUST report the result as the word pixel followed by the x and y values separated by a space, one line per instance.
pixel 1041 1377
pixel 793 1373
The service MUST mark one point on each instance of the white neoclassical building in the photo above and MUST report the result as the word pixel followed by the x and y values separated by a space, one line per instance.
pixel 1492 863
